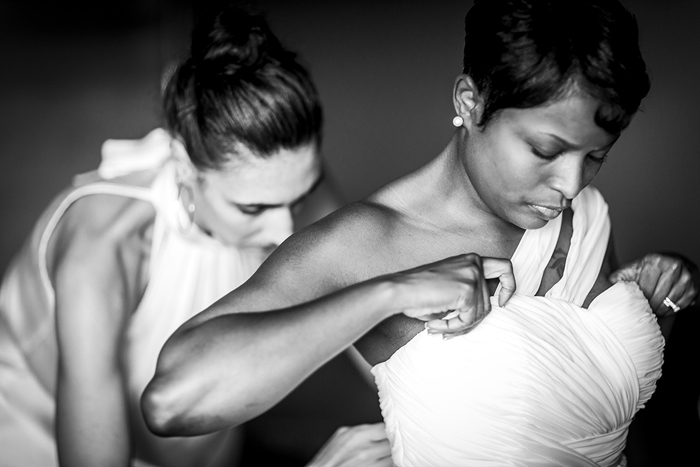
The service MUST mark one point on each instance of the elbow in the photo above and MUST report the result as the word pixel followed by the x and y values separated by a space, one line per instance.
pixel 178 401
pixel 160 409
pixel 169 399
pixel 171 410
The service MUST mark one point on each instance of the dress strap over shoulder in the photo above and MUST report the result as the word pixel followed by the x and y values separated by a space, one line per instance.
pixel 589 241
pixel 68 200
pixel 532 255
pixel 119 157
pixel 589 244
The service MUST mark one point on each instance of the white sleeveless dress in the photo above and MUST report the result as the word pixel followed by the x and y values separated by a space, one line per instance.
pixel 541 381
pixel 188 272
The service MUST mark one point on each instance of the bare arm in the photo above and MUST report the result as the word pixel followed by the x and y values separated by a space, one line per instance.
pixel 231 363
pixel 323 201
pixel 93 302
pixel 224 368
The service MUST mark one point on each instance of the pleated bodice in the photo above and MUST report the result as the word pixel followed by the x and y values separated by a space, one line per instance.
pixel 541 381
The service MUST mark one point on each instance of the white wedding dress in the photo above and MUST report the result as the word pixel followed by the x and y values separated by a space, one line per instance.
pixel 541 381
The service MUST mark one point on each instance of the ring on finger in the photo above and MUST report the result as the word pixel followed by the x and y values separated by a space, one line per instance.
pixel 669 303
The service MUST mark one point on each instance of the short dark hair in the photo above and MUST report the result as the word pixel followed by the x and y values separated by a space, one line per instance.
pixel 240 85
pixel 525 53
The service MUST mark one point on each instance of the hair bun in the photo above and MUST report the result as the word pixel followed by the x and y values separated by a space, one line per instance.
pixel 233 41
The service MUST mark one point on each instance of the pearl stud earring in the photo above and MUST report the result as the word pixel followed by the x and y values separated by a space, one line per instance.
pixel 458 121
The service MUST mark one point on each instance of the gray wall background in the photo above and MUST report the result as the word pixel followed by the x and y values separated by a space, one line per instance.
pixel 74 75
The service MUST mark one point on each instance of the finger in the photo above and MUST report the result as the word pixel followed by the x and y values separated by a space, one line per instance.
pixel 471 307
pixel 373 452
pixel 378 454
pixel 669 276
pixel 461 332
pixel 683 292
pixel 366 432
pixel 477 300
pixel 503 270
pixel 485 297
pixel 648 277
pixel 375 431
pixel 434 315
pixel 378 448
pixel 473 297
pixel 459 322
pixel 629 273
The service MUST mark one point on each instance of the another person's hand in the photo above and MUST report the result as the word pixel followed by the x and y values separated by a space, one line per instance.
pixel 669 281
pixel 357 446
pixel 454 285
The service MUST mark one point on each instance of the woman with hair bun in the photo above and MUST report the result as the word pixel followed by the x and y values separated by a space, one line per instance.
pixel 164 227
pixel 482 287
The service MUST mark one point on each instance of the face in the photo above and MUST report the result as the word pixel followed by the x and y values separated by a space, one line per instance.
pixel 527 165
pixel 252 202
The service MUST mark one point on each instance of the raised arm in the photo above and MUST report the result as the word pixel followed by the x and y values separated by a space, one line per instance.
pixel 94 273
pixel 229 364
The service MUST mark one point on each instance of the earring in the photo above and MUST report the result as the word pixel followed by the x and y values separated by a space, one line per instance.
pixel 185 199
pixel 458 121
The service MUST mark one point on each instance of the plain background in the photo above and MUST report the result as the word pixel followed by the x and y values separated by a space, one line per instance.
pixel 74 74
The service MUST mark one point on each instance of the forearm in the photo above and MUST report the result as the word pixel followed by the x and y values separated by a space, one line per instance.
pixel 92 426
pixel 233 367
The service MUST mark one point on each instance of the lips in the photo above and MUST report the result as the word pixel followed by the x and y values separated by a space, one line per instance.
pixel 547 212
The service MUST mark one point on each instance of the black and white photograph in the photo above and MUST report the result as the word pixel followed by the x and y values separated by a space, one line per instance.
pixel 349 233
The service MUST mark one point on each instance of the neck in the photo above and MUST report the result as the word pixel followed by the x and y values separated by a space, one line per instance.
pixel 455 188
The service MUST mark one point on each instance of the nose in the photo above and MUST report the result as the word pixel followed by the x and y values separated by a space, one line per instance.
pixel 567 175
pixel 279 225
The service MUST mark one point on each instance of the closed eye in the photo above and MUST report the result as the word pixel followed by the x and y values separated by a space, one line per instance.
pixel 251 210
pixel 597 158
pixel 544 155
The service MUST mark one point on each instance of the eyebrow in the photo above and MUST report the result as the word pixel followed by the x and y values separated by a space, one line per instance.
pixel 308 192
pixel 571 145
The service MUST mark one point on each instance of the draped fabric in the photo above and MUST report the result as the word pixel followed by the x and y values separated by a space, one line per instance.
pixel 541 381
pixel 188 271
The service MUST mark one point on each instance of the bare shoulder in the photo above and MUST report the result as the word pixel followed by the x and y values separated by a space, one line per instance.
pixel 102 238
pixel 335 252
pixel 102 219
pixel 346 245
pixel 359 241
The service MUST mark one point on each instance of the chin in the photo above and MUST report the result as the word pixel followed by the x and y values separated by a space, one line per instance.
pixel 530 222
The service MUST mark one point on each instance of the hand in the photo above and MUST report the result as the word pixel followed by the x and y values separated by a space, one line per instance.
pixel 357 446
pixel 456 284
pixel 662 275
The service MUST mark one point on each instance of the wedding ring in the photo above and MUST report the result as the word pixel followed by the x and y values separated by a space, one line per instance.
pixel 669 303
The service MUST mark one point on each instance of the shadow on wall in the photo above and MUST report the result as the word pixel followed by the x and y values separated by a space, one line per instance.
pixel 77 75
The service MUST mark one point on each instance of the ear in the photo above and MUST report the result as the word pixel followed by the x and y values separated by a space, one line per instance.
pixel 186 171
pixel 467 100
